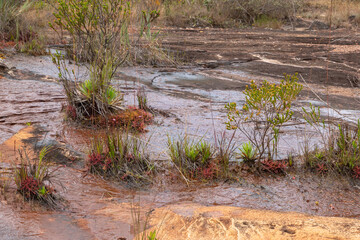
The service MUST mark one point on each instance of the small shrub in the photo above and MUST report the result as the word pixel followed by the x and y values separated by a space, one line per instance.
pixel 122 157
pixel 267 108
pixel 33 179
pixel 99 33
pixel 194 159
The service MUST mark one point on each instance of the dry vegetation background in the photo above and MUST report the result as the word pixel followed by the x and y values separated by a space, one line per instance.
pixel 27 21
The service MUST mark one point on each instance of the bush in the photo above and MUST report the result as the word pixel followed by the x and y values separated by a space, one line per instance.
pixel 122 157
pixel 99 31
pixel 267 108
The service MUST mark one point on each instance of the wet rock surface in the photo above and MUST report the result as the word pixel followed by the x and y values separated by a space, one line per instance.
pixel 193 98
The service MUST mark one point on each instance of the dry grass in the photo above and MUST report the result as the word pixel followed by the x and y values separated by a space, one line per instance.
pixel 340 13
pixel 227 13
pixel 23 22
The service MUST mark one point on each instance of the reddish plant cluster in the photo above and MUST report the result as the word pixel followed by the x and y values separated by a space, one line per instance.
pixel 135 118
pixel 210 171
pixel 6 44
pixel 207 172
pixel 272 166
pixel 30 187
pixel 70 111
pixel 356 170
pixel 321 168
pixel 98 161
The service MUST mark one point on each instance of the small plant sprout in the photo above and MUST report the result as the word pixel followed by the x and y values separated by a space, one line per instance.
pixel 152 235
pixel 319 155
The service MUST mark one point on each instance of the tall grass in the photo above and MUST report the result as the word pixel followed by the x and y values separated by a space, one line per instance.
pixel 12 26
pixel 340 148
pixel 141 227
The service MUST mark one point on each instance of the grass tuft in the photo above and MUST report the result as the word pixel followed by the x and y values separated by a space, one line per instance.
pixel 33 178
pixel 122 157
pixel 194 159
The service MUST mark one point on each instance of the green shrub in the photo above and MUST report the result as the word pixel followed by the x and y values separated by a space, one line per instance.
pixel 267 107
pixel 99 32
